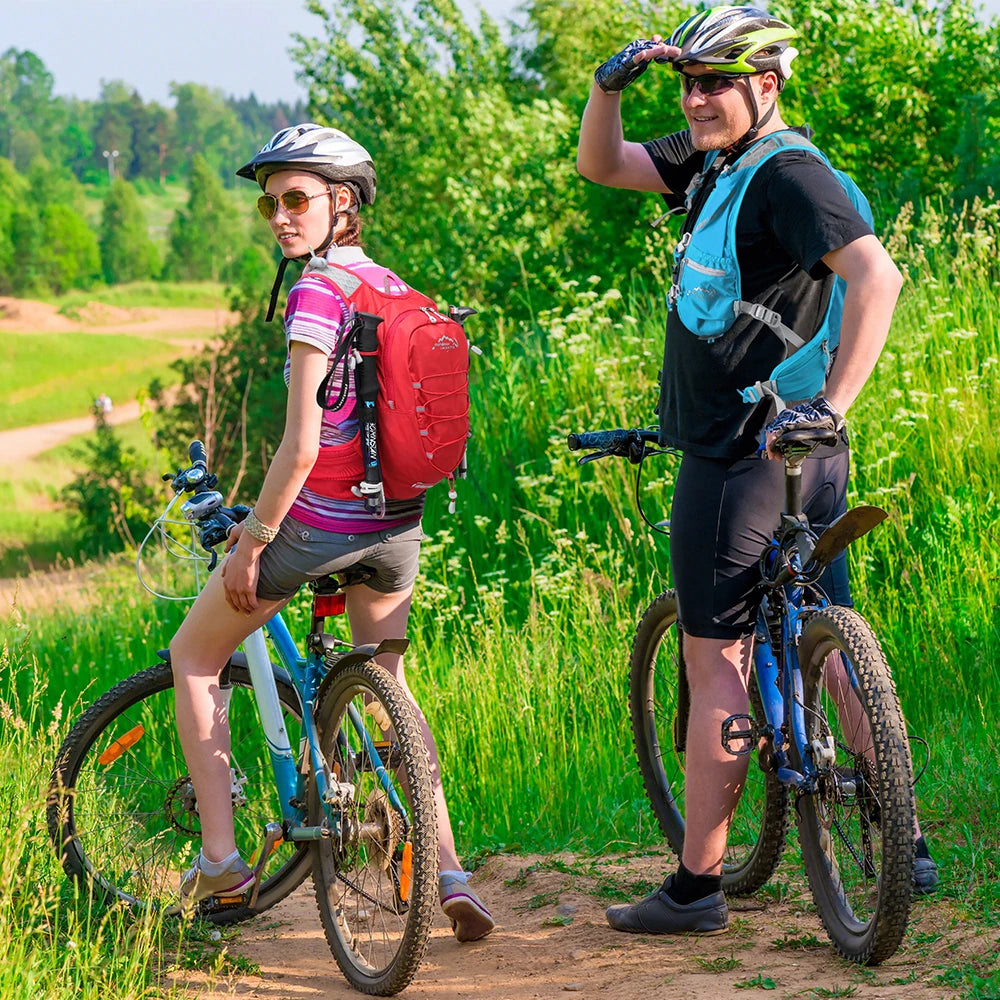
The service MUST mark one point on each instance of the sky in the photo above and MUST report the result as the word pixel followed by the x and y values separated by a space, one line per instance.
pixel 237 46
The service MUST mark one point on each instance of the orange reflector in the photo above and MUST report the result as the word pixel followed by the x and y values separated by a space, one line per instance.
pixel 406 872
pixel 122 744
pixel 277 844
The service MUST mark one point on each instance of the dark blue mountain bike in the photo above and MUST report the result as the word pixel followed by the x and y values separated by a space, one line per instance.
pixel 824 721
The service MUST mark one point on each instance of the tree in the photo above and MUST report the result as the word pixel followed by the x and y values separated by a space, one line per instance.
pixel 207 126
pixel 478 195
pixel 204 236
pixel 114 126
pixel 13 189
pixel 25 106
pixel 53 248
pixel 233 397
pixel 114 497
pixel 127 252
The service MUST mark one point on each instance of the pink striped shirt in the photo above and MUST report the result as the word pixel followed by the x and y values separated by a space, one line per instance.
pixel 315 315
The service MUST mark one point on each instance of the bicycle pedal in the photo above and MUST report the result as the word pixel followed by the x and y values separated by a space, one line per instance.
pixel 750 735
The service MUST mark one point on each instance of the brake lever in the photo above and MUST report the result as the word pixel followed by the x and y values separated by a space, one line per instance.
pixel 592 457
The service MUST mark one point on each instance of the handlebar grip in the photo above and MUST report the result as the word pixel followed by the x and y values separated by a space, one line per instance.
pixel 601 440
pixel 197 454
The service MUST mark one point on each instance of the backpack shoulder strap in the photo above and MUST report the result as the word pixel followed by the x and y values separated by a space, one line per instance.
pixel 347 281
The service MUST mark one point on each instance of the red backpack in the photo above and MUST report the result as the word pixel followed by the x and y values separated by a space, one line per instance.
pixel 422 410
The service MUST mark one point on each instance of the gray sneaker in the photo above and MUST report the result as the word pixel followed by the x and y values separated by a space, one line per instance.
pixel 237 879
pixel 659 914
pixel 925 876
pixel 470 920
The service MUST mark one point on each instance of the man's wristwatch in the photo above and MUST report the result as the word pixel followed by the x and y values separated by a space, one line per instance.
pixel 257 529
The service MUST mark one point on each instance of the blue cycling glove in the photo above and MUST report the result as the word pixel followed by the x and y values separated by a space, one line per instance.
pixel 619 71
pixel 816 414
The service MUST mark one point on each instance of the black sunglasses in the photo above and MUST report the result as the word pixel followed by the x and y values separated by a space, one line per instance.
pixel 294 202
pixel 710 84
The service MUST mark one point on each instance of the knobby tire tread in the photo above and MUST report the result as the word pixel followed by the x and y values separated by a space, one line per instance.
pixel 846 630
pixel 423 898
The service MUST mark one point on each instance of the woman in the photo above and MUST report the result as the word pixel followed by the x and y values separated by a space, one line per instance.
pixel 314 180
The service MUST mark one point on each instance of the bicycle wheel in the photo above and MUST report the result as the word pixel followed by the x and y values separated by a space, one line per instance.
pixel 658 705
pixel 122 813
pixel 376 883
pixel 857 828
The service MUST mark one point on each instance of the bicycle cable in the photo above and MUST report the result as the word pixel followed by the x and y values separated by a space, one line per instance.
pixel 638 479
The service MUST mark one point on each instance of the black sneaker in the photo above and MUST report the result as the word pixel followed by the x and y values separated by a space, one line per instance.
pixel 659 914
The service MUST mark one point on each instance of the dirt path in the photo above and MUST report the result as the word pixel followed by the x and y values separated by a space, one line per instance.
pixel 28 316
pixel 552 940
pixel 25 442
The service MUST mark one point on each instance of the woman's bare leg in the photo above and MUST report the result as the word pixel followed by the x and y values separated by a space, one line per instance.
pixel 206 639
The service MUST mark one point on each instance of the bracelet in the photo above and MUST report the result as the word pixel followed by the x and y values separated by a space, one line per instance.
pixel 257 529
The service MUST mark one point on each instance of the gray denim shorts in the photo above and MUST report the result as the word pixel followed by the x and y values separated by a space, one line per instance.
pixel 301 553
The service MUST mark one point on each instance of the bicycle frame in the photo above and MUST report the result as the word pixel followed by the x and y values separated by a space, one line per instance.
pixel 307 674
pixel 781 690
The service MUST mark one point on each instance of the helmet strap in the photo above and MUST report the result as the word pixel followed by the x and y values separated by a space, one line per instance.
pixel 757 122
pixel 276 288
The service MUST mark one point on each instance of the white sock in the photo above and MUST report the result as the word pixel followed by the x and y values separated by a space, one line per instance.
pixel 460 876
pixel 214 868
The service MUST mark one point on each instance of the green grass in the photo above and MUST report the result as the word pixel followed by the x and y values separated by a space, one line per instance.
pixel 36 528
pixel 528 596
pixel 149 295
pixel 56 376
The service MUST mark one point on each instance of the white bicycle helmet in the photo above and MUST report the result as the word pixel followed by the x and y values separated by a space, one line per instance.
pixel 736 40
pixel 319 150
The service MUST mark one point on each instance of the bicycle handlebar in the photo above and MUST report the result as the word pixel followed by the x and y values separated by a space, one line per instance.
pixel 197 454
pixel 630 444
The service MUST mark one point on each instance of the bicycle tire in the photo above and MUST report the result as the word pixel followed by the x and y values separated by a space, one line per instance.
pixel 121 811
pixel 856 830
pixel 376 929
pixel 757 833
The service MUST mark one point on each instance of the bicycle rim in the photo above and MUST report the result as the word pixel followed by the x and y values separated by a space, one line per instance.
pixel 376 882
pixel 857 829
pixel 659 722
pixel 122 812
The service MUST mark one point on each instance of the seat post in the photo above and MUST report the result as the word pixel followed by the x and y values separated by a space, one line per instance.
pixel 793 484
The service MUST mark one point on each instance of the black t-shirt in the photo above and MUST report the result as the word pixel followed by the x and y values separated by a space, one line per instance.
pixel 795 211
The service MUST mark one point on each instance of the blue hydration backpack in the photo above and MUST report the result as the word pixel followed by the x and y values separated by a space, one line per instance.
pixel 707 288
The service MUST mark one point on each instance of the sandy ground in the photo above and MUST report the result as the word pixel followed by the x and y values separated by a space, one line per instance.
pixel 25 442
pixel 552 940
pixel 28 316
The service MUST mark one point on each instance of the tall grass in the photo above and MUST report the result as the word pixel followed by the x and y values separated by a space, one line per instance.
pixel 529 594
pixel 57 945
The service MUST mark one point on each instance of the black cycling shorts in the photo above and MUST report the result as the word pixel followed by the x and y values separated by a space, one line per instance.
pixel 723 515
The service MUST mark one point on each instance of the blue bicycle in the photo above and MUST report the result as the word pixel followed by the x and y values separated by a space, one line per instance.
pixel 329 774
pixel 824 721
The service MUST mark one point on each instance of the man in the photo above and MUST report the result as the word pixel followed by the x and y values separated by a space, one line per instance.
pixel 739 307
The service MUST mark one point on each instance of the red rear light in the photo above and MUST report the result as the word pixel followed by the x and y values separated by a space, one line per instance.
pixel 325 605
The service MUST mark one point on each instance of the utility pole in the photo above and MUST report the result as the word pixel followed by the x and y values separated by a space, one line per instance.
pixel 111 157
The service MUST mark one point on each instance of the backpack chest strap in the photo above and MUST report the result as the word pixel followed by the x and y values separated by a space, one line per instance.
pixel 771 319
